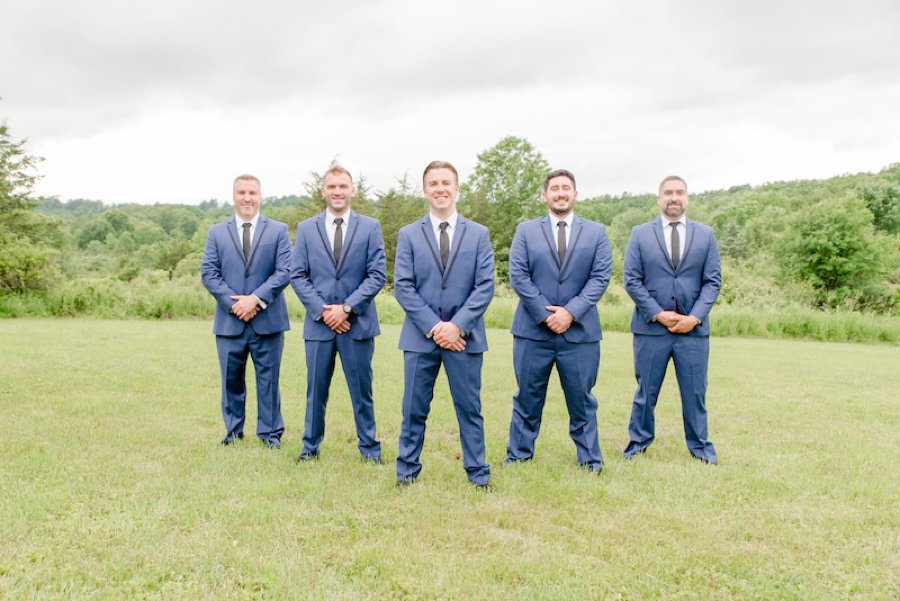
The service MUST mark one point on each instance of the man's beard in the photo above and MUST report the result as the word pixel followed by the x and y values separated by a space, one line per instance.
pixel 674 210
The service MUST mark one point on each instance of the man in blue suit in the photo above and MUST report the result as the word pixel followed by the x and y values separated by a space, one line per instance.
pixel 246 266
pixel 337 268
pixel 444 280
pixel 673 273
pixel 559 265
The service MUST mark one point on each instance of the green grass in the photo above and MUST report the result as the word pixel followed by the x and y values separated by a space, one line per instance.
pixel 154 296
pixel 114 485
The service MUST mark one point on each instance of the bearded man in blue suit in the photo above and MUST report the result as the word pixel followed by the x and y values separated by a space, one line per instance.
pixel 337 268
pixel 246 266
pixel 559 265
pixel 444 280
pixel 673 273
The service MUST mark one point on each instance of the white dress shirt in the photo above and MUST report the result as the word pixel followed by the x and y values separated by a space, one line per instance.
pixel 240 228
pixel 240 232
pixel 682 231
pixel 331 228
pixel 436 227
pixel 554 220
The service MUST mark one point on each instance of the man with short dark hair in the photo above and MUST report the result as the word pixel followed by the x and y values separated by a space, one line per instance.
pixel 444 280
pixel 673 273
pixel 338 267
pixel 559 265
pixel 246 266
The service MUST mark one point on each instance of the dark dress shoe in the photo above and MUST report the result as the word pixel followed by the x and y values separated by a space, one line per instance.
pixel 233 438
pixel 307 456
pixel 484 487
pixel 375 460
pixel 513 461
pixel 635 454
pixel 405 483
pixel 273 443
pixel 594 468
pixel 705 460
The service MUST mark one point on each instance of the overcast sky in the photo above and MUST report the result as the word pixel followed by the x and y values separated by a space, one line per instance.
pixel 164 101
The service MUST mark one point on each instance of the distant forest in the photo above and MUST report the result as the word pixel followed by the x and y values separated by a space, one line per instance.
pixel 831 244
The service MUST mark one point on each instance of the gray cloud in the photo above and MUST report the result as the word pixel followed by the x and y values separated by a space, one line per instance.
pixel 572 76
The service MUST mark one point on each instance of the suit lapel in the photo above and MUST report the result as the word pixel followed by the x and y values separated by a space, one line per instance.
pixel 661 241
pixel 458 236
pixel 428 234
pixel 572 243
pixel 231 226
pixel 352 226
pixel 548 236
pixel 320 228
pixel 261 226
pixel 689 231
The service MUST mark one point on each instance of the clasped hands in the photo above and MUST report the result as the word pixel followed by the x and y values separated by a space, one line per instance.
pixel 447 335
pixel 676 322
pixel 245 307
pixel 336 318
pixel 559 319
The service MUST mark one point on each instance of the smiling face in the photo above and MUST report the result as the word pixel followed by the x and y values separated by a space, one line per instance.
pixel 246 195
pixel 441 189
pixel 338 189
pixel 673 198
pixel 560 195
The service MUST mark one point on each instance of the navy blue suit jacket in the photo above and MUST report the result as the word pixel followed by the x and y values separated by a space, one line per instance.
pixel 656 286
pixel 266 273
pixel 356 279
pixel 429 294
pixel 577 284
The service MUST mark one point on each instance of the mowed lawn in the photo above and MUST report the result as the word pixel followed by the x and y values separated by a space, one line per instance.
pixel 113 484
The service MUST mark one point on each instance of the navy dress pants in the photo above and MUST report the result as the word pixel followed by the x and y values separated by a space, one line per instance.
pixel 265 350
pixel 651 358
pixel 420 371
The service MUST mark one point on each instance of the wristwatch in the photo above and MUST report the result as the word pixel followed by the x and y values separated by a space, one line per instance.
pixel 347 307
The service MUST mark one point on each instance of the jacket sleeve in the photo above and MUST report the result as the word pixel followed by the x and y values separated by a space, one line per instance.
pixel 633 275
pixel 269 290
pixel 376 272
pixel 711 281
pixel 300 278
pixel 597 281
pixel 483 291
pixel 405 287
pixel 211 273
pixel 520 278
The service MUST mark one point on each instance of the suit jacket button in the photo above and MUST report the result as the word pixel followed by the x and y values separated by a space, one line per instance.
pixel 443 287
pixel 560 281
pixel 337 279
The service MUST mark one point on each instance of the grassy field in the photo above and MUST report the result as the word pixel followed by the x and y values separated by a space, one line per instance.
pixel 154 296
pixel 113 484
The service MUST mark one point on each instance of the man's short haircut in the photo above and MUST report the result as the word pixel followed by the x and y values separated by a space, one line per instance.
pixel 440 165
pixel 247 176
pixel 337 170
pixel 559 173
pixel 672 178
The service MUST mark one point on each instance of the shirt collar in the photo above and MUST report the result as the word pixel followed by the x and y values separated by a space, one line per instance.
pixel 569 219
pixel 329 217
pixel 436 221
pixel 682 220
pixel 240 222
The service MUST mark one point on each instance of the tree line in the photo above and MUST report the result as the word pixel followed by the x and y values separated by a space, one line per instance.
pixel 830 244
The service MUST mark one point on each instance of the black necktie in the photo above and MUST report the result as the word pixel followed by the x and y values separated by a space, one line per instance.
pixel 338 239
pixel 445 243
pixel 561 240
pixel 676 245
pixel 246 240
